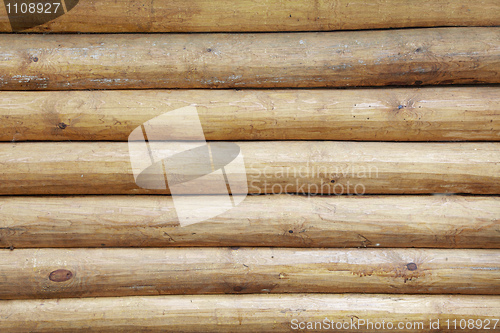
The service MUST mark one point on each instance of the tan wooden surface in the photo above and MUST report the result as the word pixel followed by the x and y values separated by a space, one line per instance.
pixel 55 273
pixel 329 59
pixel 270 220
pixel 414 57
pixel 413 114
pixel 271 167
pixel 260 15
pixel 247 313
pixel 230 313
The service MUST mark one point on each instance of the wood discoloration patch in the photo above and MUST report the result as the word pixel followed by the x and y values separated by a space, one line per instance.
pixel 405 266
pixel 60 275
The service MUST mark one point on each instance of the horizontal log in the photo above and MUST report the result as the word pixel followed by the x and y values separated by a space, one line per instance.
pixel 305 167
pixel 330 59
pixel 267 220
pixel 417 114
pixel 252 313
pixel 59 273
pixel 259 15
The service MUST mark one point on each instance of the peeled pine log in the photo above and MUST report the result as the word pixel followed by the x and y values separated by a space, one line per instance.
pixel 57 273
pixel 258 15
pixel 277 167
pixel 253 313
pixel 267 220
pixel 416 114
pixel 330 59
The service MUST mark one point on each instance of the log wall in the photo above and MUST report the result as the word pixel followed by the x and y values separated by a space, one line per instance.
pixel 380 231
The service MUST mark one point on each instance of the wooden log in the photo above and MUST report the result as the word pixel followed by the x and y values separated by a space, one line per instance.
pixel 59 273
pixel 417 114
pixel 259 15
pixel 330 59
pixel 253 313
pixel 267 220
pixel 303 167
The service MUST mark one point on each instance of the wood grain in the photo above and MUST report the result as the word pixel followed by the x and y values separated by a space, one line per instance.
pixel 245 313
pixel 56 273
pixel 267 220
pixel 261 15
pixel 328 59
pixel 402 114
pixel 304 167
